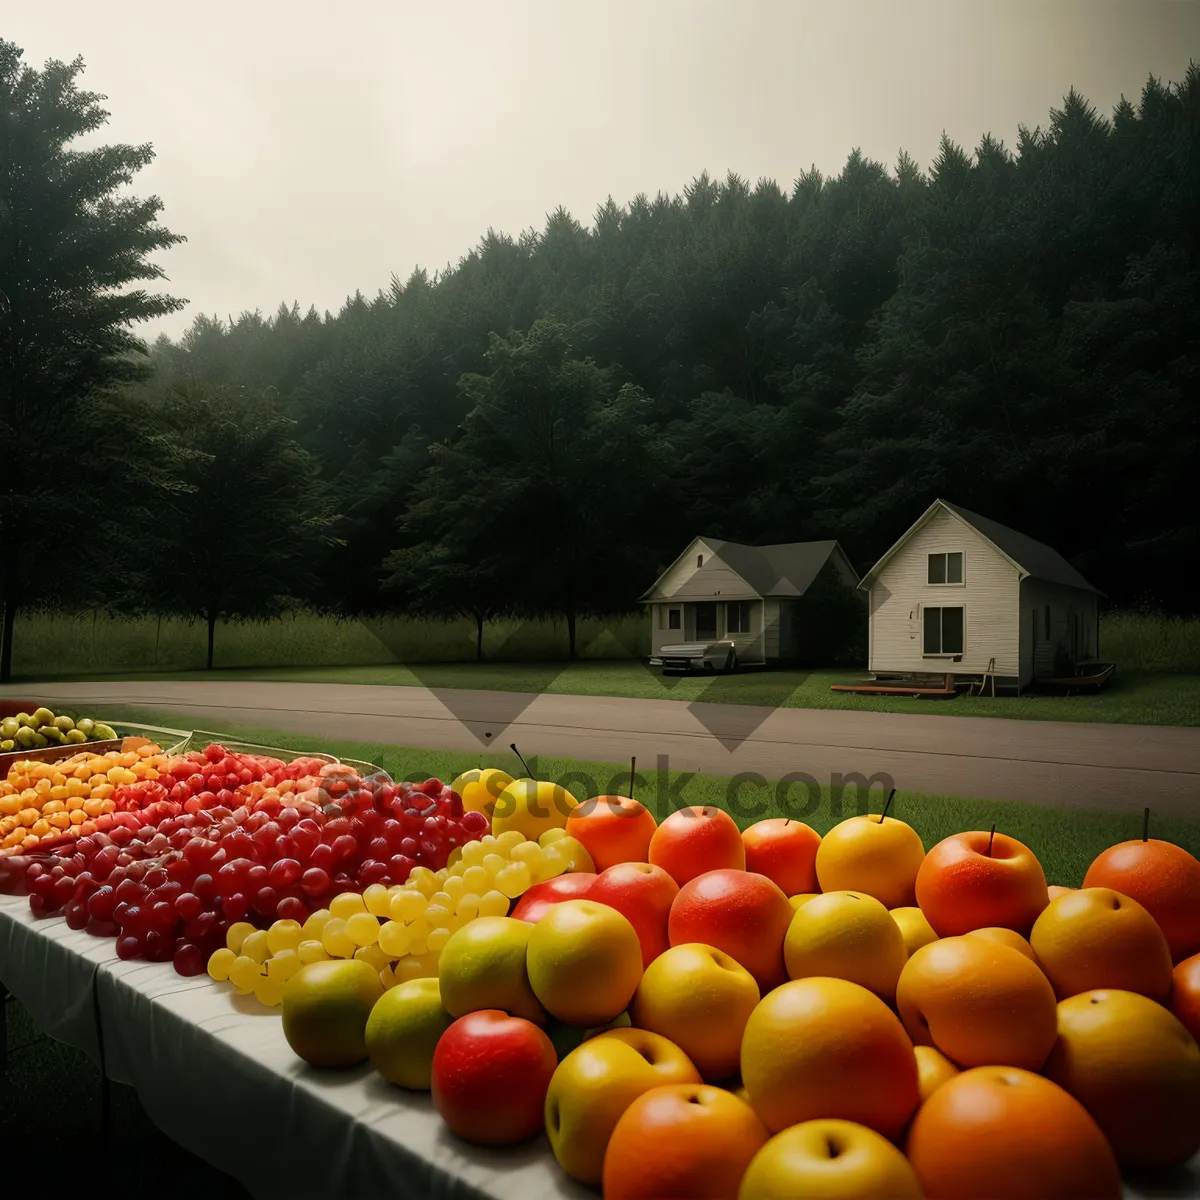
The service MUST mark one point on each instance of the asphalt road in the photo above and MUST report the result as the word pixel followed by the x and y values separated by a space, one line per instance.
pixel 1118 768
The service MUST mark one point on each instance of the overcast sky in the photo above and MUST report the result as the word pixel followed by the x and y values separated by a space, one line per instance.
pixel 311 148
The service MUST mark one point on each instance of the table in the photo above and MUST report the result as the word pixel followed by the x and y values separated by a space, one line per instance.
pixel 215 1073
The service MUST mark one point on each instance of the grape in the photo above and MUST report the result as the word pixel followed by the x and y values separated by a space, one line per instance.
pixel 467 908
pixel 415 966
pixel 476 879
pixel 395 938
pixel 436 940
pixel 268 991
pixel 378 900
pixel 372 955
pixel 454 889
pixel 514 879
pixel 551 835
pixel 347 904
pixel 314 923
pixel 283 965
pixel 219 963
pixel 439 916
pixel 335 939
pixel 494 863
pixel 527 852
pixel 237 933
pixel 407 905
pixel 362 929
pixel 310 951
pixel 493 904
pixel 254 945
pixel 509 840
pixel 283 935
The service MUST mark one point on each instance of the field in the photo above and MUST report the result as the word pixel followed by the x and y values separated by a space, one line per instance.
pixel 1157 681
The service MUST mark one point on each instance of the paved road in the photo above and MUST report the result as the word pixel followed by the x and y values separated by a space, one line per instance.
pixel 1115 767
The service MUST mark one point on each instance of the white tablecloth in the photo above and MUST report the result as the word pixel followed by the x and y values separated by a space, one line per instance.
pixel 215 1074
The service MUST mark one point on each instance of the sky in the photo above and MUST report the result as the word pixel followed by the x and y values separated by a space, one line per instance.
pixel 309 149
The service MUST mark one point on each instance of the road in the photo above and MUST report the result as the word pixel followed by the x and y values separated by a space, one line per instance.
pixel 1119 768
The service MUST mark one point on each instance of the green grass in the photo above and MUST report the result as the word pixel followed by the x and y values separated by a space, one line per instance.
pixel 1065 841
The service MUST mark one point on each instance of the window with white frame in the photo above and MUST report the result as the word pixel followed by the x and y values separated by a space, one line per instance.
pixel 946 568
pixel 668 618
pixel 737 616
pixel 943 629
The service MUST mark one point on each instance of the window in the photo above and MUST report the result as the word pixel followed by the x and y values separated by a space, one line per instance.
pixel 943 630
pixel 737 617
pixel 699 560
pixel 1047 622
pixel 946 568
pixel 668 618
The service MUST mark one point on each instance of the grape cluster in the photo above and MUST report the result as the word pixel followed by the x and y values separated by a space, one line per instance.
pixel 175 866
pixel 399 930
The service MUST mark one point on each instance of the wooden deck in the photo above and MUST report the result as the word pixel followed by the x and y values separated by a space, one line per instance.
pixel 916 689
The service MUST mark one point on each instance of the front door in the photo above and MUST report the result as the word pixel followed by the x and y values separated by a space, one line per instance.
pixel 706 622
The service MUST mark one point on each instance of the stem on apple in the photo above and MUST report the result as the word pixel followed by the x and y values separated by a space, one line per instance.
pixel 1146 825
pixel 887 805
pixel 513 748
pixel 991 839
pixel 632 776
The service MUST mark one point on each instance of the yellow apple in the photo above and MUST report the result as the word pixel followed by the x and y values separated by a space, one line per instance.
pixel 532 806
pixel 914 928
pixel 584 962
pixel 480 787
pixel 596 1083
pixel 876 855
pixel 836 1160
pixel 482 965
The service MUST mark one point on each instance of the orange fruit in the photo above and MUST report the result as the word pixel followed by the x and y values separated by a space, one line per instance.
pixel 1097 938
pixel 1006 937
pixel 1164 879
pixel 612 829
pixel 1136 1069
pixel 785 851
pixel 980 1003
pixel 828 1048
pixel 933 1069
pixel 1008 1134
pixel 878 856
pixel 1185 995
pixel 833 1160
pixel 976 880
pixel 684 1140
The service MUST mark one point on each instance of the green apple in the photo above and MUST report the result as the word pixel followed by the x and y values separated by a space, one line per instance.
pixel 403 1031
pixel 63 723
pixel 482 965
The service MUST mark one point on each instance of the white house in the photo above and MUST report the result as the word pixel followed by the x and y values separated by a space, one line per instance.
pixel 960 594
pixel 749 599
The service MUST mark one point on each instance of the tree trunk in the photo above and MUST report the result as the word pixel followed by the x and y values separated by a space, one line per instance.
pixel 479 637
pixel 571 630
pixel 212 632
pixel 10 601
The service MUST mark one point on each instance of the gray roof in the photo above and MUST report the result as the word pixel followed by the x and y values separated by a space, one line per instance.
pixel 786 569
pixel 1034 557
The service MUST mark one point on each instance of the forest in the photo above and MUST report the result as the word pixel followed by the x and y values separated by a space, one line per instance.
pixel 542 426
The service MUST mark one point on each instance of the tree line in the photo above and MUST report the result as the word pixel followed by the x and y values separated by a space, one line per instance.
pixel 540 427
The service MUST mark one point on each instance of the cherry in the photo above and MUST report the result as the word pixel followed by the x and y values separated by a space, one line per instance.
pixel 159 946
pixel 314 881
pixel 101 928
pixel 128 947
pixel 266 899
pixel 188 905
pixel 235 907
pixel 189 960
pixel 76 914
pixel 292 908
pixel 285 871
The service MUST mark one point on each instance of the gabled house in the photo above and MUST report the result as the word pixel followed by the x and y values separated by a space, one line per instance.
pixel 763 604
pixel 962 595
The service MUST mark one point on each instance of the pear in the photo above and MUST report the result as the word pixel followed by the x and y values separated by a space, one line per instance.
pixel 52 734
pixel 9 727
pixel 26 720
pixel 75 736
pixel 39 742
pixel 7 746
pixel 63 723
pixel 25 737
pixel 86 726
pixel 42 716
pixel 104 733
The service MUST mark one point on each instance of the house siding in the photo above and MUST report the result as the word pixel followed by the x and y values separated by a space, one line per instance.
pixel 990 596
pixel 750 646
pixel 1073 632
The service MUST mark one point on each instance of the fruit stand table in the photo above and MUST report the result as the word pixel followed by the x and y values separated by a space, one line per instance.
pixel 214 1072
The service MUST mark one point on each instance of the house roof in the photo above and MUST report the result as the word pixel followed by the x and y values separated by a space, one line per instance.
pixel 1028 555
pixel 786 569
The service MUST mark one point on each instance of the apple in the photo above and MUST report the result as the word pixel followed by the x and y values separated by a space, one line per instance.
pixel 785 851
pixel 975 880
pixel 643 894
pixel 612 829
pixel 539 899
pixel 482 965
pixel 584 962
pixel 694 840
pixel 490 1076
pixel 740 912
pixel 830 1158
pixel 596 1083
pixel 878 856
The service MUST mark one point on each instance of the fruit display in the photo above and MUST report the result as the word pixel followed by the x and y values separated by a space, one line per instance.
pixel 654 998
pixel 42 728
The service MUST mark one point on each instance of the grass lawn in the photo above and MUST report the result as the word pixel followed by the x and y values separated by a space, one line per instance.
pixel 1066 842
pixel 1135 697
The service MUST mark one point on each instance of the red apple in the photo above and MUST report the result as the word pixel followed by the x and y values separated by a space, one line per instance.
pixel 539 899
pixel 785 851
pixel 740 912
pixel 980 880
pixel 490 1076
pixel 612 829
pixel 694 840
pixel 643 894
